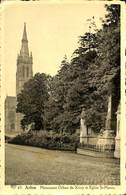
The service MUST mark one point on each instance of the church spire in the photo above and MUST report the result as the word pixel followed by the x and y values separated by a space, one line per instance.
pixel 24 38
pixel 24 48
pixel 24 63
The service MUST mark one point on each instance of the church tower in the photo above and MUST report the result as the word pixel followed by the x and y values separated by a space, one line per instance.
pixel 24 64
pixel 24 71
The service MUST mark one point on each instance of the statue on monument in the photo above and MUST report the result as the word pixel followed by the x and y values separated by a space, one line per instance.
pixel 109 114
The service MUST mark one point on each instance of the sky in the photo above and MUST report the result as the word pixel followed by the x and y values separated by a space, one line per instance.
pixel 53 30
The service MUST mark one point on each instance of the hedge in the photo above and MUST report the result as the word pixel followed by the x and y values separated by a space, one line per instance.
pixel 48 140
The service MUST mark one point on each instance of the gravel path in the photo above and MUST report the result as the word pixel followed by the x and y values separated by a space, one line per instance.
pixel 36 166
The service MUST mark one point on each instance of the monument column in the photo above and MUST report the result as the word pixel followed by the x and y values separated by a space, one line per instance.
pixel 106 140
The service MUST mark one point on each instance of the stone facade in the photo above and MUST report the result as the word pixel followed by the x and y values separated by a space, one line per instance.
pixel 23 74
pixel 10 113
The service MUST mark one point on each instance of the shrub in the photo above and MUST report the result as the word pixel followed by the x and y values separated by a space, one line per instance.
pixel 48 140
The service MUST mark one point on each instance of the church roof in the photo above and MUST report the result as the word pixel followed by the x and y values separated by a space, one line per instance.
pixel 10 98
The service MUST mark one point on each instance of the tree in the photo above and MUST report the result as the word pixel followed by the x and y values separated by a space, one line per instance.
pixel 85 81
pixel 78 94
pixel 92 69
pixel 55 106
pixel 31 101
pixel 113 15
pixel 106 68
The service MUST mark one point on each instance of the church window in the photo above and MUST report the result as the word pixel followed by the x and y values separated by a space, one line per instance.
pixel 27 72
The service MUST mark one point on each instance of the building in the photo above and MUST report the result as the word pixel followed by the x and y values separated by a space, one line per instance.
pixel 23 74
pixel 10 113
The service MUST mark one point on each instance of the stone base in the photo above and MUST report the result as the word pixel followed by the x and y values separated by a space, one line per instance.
pixel 117 148
pixel 106 141
pixel 84 140
pixel 89 139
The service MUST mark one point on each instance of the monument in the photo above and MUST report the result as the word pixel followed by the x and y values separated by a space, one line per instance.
pixel 83 128
pixel 107 142
pixel 106 139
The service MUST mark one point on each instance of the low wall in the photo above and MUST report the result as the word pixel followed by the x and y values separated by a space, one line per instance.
pixel 93 153
pixel 90 139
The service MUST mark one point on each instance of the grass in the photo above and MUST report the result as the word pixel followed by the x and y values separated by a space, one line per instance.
pixel 36 166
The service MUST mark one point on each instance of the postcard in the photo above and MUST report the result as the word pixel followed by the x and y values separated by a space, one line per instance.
pixel 63 97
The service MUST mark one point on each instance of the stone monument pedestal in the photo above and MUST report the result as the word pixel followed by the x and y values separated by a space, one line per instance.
pixel 83 140
pixel 106 141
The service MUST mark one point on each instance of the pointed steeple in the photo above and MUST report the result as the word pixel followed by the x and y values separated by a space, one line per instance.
pixel 24 48
pixel 24 38
pixel 24 63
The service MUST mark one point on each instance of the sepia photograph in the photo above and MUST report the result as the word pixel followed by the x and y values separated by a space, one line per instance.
pixel 62 93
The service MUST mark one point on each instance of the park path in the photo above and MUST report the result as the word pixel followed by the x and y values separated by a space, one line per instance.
pixel 36 166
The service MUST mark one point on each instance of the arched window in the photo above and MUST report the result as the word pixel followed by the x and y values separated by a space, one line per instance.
pixel 27 72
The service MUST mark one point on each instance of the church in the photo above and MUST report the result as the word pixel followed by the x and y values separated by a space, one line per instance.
pixel 23 73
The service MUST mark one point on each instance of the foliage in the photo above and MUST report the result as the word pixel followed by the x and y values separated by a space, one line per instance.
pixel 48 140
pixel 31 101
pixel 87 80
pixel 54 108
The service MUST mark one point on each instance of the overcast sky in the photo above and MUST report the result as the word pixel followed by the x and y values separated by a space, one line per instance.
pixel 53 31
